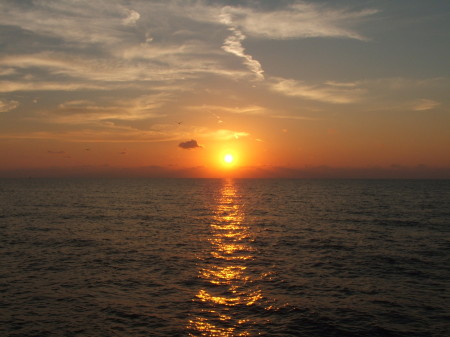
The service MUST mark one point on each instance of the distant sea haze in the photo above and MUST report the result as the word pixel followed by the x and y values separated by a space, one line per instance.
pixel 224 257
pixel 309 172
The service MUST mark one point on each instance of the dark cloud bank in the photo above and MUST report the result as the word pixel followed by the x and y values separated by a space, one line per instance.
pixel 322 172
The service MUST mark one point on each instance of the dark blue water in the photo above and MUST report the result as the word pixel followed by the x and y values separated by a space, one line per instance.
pixel 224 258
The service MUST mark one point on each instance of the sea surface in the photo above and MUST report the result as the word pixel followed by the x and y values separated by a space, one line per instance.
pixel 212 257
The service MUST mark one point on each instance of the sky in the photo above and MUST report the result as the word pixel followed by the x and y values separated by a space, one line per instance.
pixel 170 87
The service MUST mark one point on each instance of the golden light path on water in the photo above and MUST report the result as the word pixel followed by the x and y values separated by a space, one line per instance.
pixel 229 285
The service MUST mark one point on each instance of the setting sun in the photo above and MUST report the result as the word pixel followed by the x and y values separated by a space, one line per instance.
pixel 228 158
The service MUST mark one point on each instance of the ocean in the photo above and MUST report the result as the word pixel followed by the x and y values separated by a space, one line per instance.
pixel 213 257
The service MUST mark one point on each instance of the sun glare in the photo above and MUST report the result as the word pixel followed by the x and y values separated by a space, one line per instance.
pixel 228 158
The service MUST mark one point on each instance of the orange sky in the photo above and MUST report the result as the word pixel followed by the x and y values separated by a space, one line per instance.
pixel 289 85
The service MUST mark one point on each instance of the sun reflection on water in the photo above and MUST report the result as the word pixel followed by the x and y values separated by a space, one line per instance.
pixel 228 283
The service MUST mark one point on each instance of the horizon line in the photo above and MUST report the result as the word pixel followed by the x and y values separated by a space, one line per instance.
pixel 247 172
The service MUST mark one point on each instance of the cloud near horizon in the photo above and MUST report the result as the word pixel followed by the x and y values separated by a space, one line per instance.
pixel 190 145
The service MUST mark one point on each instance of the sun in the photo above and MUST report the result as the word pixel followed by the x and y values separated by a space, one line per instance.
pixel 228 158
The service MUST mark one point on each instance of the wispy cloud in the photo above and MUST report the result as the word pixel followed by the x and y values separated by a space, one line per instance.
pixel 5 71
pixel 425 104
pixel 106 134
pixel 385 93
pixel 224 134
pixel 80 67
pixel 140 42
pixel 7 105
pixel 71 21
pixel 246 110
pixel 400 93
pixel 330 92
pixel 24 85
pixel 233 45
pixel 126 46
pixel 88 112
pixel 299 20
pixel 294 117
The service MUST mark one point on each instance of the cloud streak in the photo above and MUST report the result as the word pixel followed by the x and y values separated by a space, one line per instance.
pixel 425 104
pixel 224 134
pixel 244 110
pixel 84 112
pixel 233 45
pixel 70 21
pixel 6 105
pixel 327 92
pixel 299 20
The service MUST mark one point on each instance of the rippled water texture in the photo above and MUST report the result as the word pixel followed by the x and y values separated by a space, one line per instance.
pixel 224 258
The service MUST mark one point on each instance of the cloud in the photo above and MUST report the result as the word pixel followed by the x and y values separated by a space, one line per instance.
pixel 329 92
pixel 118 131
pixel 80 67
pixel 127 46
pixel 190 145
pixel 7 71
pixel 294 117
pixel 12 86
pixel 233 45
pixel 245 110
pixel 249 110
pixel 404 83
pixel 300 20
pixel 224 134
pixel 134 67
pixel 425 104
pixel 152 41
pixel 400 93
pixel 71 21
pixel 132 18
pixel 107 134
pixel 394 93
pixel 91 112
pixel 8 105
